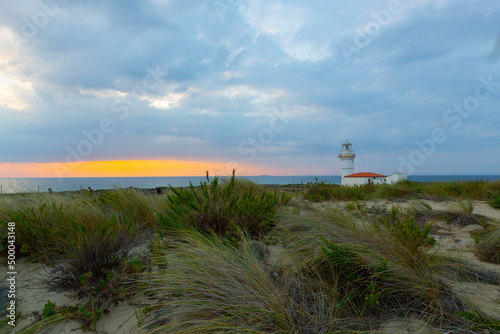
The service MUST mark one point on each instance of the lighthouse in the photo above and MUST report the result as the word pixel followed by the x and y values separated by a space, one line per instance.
pixel 347 160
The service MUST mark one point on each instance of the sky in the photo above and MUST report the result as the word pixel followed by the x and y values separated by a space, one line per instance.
pixel 179 87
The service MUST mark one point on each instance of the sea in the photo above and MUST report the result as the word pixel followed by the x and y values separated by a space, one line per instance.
pixel 39 185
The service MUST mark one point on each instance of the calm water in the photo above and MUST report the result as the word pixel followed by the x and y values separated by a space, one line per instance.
pixel 13 185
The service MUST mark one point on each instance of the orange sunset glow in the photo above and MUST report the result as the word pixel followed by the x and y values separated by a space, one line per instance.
pixel 129 168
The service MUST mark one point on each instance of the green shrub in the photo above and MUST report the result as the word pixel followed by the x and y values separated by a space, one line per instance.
pixel 495 202
pixel 89 264
pixel 320 191
pixel 404 230
pixel 221 209
pixel 136 265
pixel 90 314
pixel 49 309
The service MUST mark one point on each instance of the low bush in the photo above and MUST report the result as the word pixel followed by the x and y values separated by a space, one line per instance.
pixel 87 314
pixel 89 264
pixel 49 309
pixel 222 209
pixel 495 202
pixel 392 191
pixel 405 231
pixel 320 191
pixel 476 190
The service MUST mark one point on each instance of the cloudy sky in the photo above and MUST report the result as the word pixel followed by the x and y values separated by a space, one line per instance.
pixel 177 87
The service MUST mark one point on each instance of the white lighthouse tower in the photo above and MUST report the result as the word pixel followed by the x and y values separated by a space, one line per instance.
pixel 347 160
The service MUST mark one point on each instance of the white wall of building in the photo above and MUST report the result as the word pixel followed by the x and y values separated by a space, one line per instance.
pixel 359 181
pixel 353 181
pixel 396 177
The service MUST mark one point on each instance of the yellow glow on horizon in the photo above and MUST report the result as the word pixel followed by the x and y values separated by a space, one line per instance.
pixel 128 168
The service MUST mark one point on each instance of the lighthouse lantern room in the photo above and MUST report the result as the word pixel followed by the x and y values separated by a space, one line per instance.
pixel 347 160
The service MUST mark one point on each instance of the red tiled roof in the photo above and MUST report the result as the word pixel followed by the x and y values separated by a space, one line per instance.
pixel 365 175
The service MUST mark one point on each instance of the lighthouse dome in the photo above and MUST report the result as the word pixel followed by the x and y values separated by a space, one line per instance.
pixel 347 146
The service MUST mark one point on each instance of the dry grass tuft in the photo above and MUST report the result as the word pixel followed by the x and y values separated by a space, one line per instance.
pixel 374 265
pixel 209 286
pixel 488 247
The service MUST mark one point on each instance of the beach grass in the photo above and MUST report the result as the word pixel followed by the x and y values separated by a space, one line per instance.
pixel 488 246
pixel 370 262
pixel 210 286
pixel 231 256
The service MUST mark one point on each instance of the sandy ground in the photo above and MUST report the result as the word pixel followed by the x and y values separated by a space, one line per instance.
pixel 34 294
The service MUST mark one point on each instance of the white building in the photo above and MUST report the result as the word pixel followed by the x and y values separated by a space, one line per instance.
pixel 396 177
pixel 350 179
pixel 359 179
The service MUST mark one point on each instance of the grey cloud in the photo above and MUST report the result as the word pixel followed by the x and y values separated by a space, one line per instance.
pixel 394 93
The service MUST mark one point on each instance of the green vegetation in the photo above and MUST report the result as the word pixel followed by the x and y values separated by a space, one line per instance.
pixel 88 314
pixel 480 323
pixel 49 309
pixel 404 230
pixel 385 260
pixel 230 256
pixel 47 225
pixel 210 286
pixel 223 209
pixel 474 190
pixel 495 202
pixel 320 191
